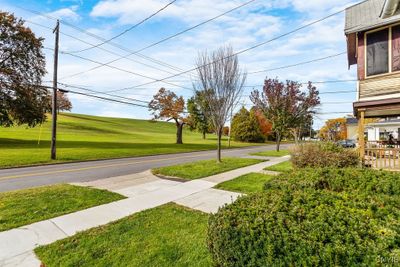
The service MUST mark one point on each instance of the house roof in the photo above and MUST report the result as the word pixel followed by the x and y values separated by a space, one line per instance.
pixel 395 122
pixel 351 121
pixel 367 15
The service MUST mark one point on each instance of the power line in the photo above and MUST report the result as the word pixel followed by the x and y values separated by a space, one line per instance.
pixel 241 51
pixel 100 38
pixel 101 48
pixel 116 68
pixel 127 30
pixel 166 39
pixel 99 92
pixel 299 63
pixel 318 82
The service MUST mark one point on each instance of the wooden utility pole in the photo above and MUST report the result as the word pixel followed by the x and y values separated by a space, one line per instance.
pixel 54 102
pixel 361 140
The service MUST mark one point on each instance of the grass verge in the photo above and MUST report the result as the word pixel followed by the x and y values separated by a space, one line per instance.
pixel 143 239
pixel 204 168
pixel 271 153
pixel 285 166
pixel 248 183
pixel 27 206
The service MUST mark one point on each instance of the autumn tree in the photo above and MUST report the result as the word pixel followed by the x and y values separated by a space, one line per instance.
pixel 334 130
pixel 245 127
pixel 265 125
pixel 285 105
pixel 166 105
pixel 63 103
pixel 303 108
pixel 197 109
pixel 22 66
pixel 221 81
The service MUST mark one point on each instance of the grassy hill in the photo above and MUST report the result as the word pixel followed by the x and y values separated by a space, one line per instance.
pixel 83 137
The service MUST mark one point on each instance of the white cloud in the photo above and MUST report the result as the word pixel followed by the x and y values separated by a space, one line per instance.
pixel 68 14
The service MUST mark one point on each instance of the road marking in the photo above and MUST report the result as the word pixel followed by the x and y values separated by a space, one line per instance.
pixel 97 167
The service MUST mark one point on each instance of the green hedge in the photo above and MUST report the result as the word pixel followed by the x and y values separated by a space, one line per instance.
pixel 362 181
pixel 319 217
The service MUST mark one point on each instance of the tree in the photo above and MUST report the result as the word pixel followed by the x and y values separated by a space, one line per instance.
pixel 63 102
pixel 303 106
pixel 167 105
pixel 22 66
pixel 197 108
pixel 285 106
pixel 245 127
pixel 334 130
pixel 221 82
pixel 265 125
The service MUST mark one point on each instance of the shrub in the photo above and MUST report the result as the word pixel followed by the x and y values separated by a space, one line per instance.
pixel 298 228
pixel 354 180
pixel 311 217
pixel 323 154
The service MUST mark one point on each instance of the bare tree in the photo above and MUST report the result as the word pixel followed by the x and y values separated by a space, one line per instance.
pixel 221 80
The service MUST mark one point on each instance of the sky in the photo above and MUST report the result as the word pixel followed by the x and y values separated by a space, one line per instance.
pixel 245 27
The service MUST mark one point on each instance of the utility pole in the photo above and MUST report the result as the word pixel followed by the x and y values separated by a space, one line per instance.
pixel 230 129
pixel 54 102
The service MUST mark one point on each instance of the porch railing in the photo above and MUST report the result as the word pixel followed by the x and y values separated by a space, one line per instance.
pixel 383 158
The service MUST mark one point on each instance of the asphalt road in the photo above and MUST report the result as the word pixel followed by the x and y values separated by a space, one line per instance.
pixel 19 178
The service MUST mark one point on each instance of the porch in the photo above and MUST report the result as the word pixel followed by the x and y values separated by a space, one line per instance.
pixel 383 150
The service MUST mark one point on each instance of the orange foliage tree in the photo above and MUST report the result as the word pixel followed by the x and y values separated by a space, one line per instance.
pixel 334 130
pixel 166 105
pixel 265 125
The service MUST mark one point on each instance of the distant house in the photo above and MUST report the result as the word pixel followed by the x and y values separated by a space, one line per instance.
pixel 372 30
pixel 378 131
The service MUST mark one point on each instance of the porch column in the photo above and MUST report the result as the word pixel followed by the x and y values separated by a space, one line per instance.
pixel 361 140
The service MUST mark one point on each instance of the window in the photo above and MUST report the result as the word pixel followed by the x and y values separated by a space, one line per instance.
pixel 378 52
pixel 395 48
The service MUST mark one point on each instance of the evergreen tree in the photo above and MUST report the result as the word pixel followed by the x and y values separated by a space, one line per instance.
pixel 245 127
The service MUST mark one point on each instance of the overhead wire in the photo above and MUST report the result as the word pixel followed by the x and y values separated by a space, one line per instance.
pixel 241 51
pixel 127 30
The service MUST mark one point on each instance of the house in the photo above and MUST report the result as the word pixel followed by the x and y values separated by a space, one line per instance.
pixel 372 30
pixel 352 128
pixel 377 131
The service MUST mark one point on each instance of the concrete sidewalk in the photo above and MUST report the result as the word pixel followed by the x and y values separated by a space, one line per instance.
pixel 16 245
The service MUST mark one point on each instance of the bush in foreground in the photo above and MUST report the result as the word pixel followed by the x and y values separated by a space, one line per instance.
pixel 307 229
pixel 352 180
pixel 309 218
pixel 323 154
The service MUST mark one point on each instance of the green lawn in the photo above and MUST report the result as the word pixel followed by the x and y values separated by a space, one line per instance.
pixel 83 137
pixel 169 235
pixel 248 183
pixel 285 166
pixel 272 153
pixel 204 168
pixel 27 206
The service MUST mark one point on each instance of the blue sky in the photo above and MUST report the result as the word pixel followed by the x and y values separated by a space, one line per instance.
pixel 255 23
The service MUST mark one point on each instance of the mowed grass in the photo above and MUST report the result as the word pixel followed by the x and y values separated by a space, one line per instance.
pixel 248 183
pixel 27 206
pixel 272 153
pixel 169 235
pixel 285 166
pixel 84 137
pixel 204 168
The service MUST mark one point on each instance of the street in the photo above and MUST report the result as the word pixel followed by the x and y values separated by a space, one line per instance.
pixel 26 177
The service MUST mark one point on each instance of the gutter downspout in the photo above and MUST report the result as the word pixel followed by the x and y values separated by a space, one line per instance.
pixel 389 8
